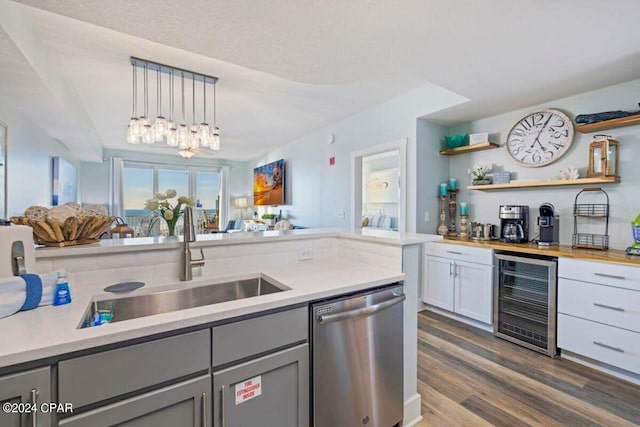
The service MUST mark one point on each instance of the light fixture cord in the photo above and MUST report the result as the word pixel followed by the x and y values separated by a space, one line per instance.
pixel 204 90
pixel 133 84
pixel 214 104
pixel 146 91
pixel 193 97
pixel 171 95
pixel 183 98
pixel 160 84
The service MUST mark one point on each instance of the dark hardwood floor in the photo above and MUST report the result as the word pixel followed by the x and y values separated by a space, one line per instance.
pixel 468 377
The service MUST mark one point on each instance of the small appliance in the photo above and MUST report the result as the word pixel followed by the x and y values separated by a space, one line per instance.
pixel 514 223
pixel 549 226
pixel 635 227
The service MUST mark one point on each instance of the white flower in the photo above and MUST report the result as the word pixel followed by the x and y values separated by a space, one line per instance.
pixel 183 199
pixel 160 196
pixel 480 170
pixel 171 193
pixel 168 215
pixel 151 205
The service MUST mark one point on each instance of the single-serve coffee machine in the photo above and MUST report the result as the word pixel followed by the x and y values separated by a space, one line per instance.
pixel 514 224
pixel 549 226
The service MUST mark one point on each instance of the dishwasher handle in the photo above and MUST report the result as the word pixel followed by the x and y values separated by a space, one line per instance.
pixel 361 312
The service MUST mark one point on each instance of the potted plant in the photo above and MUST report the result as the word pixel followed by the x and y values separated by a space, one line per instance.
pixel 269 219
pixel 479 173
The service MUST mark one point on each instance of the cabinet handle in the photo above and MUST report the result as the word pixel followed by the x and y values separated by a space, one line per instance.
pixel 454 252
pixel 34 403
pixel 203 401
pixel 222 421
pixel 610 276
pixel 618 349
pixel 610 307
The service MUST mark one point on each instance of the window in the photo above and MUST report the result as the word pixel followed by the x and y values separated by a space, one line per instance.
pixel 141 181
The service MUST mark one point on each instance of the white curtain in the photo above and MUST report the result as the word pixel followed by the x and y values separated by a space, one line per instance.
pixel 116 199
pixel 224 196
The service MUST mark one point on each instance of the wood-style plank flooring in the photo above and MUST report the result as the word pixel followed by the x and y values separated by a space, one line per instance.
pixel 468 377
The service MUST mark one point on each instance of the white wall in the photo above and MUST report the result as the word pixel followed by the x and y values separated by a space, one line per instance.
pixel 624 197
pixel 316 193
pixel 29 161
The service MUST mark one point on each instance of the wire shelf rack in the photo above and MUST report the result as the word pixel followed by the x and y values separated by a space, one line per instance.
pixel 588 213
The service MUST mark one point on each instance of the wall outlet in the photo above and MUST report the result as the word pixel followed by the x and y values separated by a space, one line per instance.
pixel 305 254
pixel 341 215
pixel 427 217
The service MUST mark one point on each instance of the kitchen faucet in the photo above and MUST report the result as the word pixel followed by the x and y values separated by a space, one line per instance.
pixel 186 263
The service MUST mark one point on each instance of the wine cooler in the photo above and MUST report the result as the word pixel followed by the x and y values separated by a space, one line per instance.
pixel 524 301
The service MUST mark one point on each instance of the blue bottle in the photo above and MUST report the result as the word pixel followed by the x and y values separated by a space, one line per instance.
pixel 61 294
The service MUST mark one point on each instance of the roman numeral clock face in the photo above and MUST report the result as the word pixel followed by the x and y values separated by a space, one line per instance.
pixel 540 138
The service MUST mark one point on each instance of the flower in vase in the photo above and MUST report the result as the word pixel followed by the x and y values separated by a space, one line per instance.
pixel 162 208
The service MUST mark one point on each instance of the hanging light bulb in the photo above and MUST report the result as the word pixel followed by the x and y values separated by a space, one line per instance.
pixel 160 125
pixel 145 126
pixel 172 131
pixel 133 130
pixel 214 143
pixel 183 130
pixel 204 131
pixel 215 139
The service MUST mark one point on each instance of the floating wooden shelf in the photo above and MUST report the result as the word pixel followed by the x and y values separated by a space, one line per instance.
pixel 608 124
pixel 552 183
pixel 469 148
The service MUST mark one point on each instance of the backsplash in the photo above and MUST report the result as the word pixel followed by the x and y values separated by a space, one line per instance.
pixel 160 267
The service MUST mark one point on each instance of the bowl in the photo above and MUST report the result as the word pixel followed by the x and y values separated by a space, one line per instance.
pixel 458 140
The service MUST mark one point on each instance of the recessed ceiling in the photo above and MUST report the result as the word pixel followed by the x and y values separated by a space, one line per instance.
pixel 287 68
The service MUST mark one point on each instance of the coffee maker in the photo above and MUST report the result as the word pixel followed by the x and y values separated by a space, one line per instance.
pixel 549 226
pixel 514 224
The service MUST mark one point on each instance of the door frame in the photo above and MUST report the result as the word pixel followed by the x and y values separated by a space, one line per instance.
pixel 356 181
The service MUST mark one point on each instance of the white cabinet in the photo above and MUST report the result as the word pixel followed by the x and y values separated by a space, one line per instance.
pixel 459 279
pixel 599 312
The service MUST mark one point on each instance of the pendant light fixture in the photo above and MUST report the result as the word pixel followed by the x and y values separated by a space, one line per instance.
pixel 133 131
pixel 215 134
pixel 186 138
pixel 172 131
pixel 147 129
pixel 160 125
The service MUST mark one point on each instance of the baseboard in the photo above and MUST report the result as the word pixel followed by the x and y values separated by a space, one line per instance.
pixel 602 367
pixel 412 415
pixel 459 318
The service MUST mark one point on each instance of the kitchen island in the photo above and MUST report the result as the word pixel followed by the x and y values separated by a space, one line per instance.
pixel 311 264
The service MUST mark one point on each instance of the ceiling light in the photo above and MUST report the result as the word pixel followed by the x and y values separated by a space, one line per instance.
pixel 186 138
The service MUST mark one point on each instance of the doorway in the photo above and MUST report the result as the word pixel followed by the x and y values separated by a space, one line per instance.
pixel 378 198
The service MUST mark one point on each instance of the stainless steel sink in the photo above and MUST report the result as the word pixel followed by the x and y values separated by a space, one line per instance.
pixel 132 307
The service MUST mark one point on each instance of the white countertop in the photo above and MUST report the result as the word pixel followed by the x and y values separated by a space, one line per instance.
pixel 50 331
pixel 155 243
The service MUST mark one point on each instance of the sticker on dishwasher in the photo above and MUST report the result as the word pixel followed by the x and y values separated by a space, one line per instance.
pixel 248 389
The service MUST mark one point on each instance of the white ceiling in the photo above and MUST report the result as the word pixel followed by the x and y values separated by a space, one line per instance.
pixel 287 68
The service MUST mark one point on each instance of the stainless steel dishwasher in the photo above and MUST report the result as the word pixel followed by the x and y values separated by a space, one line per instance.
pixel 357 359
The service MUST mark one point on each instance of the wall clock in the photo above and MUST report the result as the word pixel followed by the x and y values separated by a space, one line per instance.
pixel 540 138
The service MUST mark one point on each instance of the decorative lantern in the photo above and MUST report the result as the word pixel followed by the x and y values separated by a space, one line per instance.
pixel 603 157
pixel 121 230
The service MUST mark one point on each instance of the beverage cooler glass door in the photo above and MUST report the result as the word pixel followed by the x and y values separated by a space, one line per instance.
pixel 525 302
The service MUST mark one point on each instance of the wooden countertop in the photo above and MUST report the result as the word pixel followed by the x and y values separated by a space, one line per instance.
pixel 612 255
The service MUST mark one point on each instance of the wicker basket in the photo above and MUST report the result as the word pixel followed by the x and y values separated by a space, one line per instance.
pixel 75 230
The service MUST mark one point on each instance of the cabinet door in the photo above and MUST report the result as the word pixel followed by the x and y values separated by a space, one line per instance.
pixel 473 290
pixel 438 286
pixel 278 394
pixel 185 404
pixel 32 388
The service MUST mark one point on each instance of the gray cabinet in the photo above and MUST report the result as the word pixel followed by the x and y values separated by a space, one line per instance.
pixel 184 404
pixel 31 388
pixel 268 391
